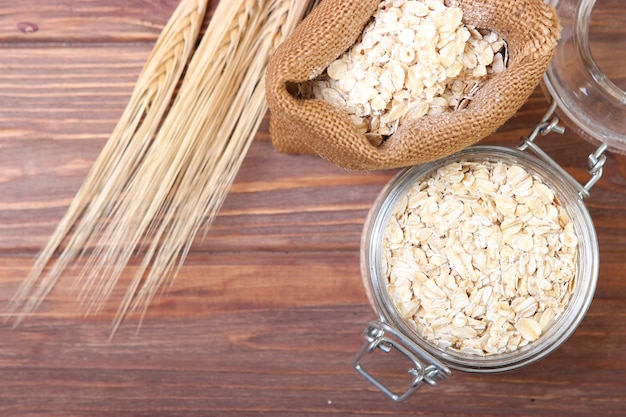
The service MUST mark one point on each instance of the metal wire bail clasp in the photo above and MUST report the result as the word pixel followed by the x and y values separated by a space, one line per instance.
pixel 425 368
pixel 550 123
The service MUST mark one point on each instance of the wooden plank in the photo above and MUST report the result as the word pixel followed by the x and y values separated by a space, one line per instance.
pixel 61 93
pixel 212 283
pixel 222 343
pixel 83 20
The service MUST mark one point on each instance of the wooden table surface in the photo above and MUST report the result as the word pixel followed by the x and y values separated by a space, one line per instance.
pixel 268 310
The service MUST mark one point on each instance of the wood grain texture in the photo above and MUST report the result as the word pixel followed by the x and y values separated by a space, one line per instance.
pixel 267 312
pixel 84 21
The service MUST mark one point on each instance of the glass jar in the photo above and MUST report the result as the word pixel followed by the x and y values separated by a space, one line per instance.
pixel 430 363
pixel 591 104
pixel 585 81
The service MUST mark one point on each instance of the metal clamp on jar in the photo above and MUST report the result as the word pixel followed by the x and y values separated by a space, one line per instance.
pixel 586 99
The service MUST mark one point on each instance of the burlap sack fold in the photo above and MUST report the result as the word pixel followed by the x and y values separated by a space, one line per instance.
pixel 530 28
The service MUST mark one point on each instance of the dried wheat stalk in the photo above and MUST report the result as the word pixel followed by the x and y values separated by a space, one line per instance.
pixel 121 155
pixel 157 205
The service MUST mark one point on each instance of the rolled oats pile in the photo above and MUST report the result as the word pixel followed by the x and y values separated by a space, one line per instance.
pixel 480 257
pixel 415 57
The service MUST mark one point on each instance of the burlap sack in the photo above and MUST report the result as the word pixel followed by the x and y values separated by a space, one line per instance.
pixel 530 28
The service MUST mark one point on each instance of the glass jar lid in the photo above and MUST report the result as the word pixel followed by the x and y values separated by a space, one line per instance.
pixel 587 76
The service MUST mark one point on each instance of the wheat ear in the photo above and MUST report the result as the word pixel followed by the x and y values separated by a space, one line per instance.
pixel 185 173
pixel 209 152
pixel 120 156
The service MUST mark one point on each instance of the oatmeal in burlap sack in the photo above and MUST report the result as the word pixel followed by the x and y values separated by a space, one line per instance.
pixel 529 29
